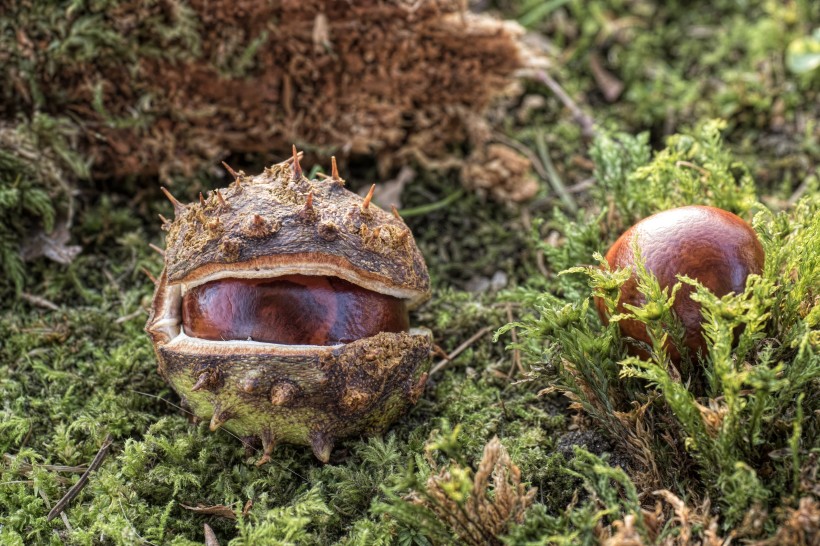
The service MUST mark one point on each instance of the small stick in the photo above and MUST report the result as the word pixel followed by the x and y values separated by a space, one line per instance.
pixel 701 170
pixel 516 352
pixel 27 467
pixel 39 301
pixel 75 490
pixel 129 316
pixel 289 160
pixel 230 171
pixel 553 178
pixel 536 163
pixel 460 349
pixel 587 124
pixel 583 185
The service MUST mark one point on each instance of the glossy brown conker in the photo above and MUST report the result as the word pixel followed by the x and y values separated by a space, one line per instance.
pixel 708 244
pixel 292 309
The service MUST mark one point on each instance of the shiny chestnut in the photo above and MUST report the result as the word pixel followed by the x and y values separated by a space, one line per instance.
pixel 708 244
pixel 282 310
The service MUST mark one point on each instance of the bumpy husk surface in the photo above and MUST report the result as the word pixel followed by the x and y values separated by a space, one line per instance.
pixel 282 223
pixel 276 221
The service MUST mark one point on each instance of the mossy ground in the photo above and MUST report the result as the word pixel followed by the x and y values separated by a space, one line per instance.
pixel 747 437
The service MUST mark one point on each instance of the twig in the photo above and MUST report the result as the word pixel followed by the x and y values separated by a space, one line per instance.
pixel 39 301
pixel 798 193
pixel 587 123
pixel 289 160
pixel 536 163
pixel 150 276
pixel 583 185
pixel 705 173
pixel 553 178
pixel 62 514
pixel 460 349
pixel 130 316
pixel 516 365
pixel 77 487
pixel 526 219
pixel 426 209
pixel 26 467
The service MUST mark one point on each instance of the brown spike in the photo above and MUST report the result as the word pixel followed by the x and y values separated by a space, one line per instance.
pixel 249 384
pixel 334 170
pixel 201 199
pixel 309 202
pixel 322 445
pixel 368 197
pixel 289 160
pixel 268 444
pixel 149 275
pixel 297 169
pixel 202 381
pixel 157 249
pixel 259 227
pixel 163 219
pixel 395 211
pixel 219 418
pixel 281 394
pixel 210 537
pixel 178 207
pixel 221 199
pixel 323 176
pixel 417 389
pixel 231 171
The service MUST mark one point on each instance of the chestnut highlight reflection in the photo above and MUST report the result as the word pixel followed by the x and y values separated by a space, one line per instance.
pixel 292 310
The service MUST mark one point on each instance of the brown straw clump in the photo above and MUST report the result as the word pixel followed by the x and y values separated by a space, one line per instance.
pixel 497 498
pixel 178 86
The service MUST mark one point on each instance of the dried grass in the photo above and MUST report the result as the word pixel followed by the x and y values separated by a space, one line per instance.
pixel 496 498
pixel 394 79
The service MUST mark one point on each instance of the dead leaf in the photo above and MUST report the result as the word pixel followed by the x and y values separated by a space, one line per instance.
pixel 51 245
pixel 389 193
pixel 219 510
pixel 610 86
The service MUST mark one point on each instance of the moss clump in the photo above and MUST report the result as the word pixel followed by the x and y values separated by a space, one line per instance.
pixel 732 426
pixel 38 165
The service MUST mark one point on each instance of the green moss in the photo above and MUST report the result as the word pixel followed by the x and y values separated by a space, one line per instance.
pixel 744 401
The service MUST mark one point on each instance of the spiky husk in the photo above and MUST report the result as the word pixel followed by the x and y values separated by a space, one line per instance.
pixel 281 223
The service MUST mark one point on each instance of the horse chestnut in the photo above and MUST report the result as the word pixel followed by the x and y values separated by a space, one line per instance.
pixel 282 310
pixel 708 244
